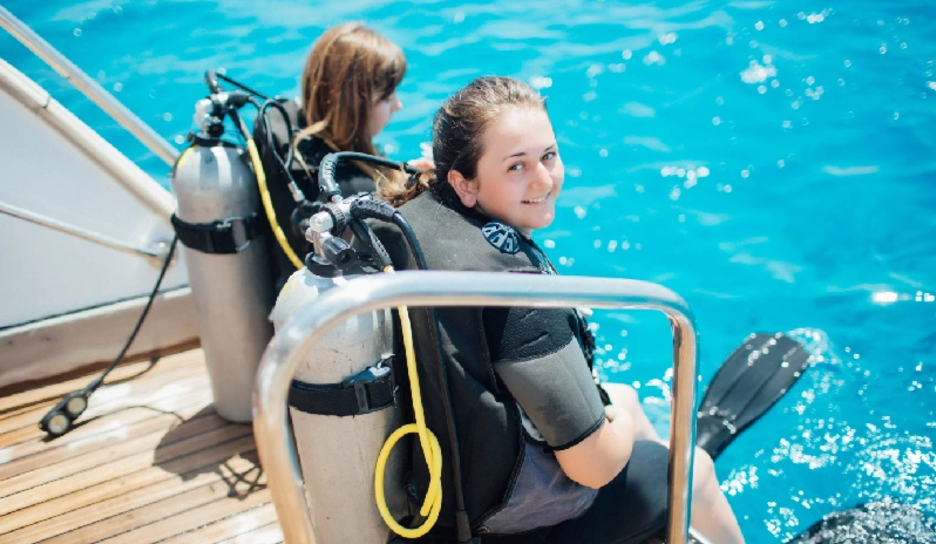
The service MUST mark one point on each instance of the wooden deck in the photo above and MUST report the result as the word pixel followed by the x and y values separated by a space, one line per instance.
pixel 149 462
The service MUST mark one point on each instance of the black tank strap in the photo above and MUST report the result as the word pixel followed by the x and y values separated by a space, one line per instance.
pixel 370 391
pixel 226 236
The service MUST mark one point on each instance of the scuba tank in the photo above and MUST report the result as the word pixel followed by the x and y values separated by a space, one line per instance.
pixel 348 375
pixel 219 224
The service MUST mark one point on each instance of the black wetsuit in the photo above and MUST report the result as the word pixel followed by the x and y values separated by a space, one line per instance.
pixel 350 178
pixel 522 388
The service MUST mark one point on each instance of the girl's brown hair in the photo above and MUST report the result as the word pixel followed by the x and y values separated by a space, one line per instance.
pixel 350 65
pixel 458 129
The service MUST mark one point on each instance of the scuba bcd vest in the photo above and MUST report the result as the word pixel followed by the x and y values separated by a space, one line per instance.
pixel 487 417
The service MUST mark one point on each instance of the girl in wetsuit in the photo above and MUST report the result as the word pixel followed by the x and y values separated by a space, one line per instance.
pixel 348 96
pixel 543 460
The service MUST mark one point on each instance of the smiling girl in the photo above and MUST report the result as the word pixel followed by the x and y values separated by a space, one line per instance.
pixel 542 458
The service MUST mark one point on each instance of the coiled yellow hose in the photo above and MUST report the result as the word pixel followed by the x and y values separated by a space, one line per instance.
pixel 432 451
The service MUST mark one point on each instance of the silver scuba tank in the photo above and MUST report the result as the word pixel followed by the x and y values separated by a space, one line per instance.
pixel 338 454
pixel 219 225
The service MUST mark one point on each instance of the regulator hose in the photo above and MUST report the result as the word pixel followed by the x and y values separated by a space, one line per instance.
pixel 285 164
pixel 60 419
pixel 432 451
pixel 328 187
pixel 264 190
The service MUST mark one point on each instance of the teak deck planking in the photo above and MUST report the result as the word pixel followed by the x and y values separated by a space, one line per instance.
pixel 148 462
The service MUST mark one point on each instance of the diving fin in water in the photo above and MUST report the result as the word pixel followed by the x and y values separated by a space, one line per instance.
pixel 749 382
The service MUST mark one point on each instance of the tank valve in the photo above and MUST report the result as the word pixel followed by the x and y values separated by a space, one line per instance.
pixel 338 252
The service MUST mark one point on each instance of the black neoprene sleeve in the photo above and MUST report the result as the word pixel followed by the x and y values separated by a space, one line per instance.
pixel 538 357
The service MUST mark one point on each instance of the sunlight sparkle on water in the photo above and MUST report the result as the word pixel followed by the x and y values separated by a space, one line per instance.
pixel 884 297
pixel 654 58
pixel 757 73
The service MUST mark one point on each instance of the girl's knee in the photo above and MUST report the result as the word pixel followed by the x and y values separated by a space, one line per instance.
pixel 622 394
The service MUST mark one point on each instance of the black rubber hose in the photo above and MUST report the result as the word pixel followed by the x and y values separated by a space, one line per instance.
pixel 241 85
pixel 368 238
pixel 329 187
pixel 239 123
pixel 372 159
pixel 462 522
pixel 268 129
pixel 411 240
pixel 162 273
pixel 365 208
pixel 371 208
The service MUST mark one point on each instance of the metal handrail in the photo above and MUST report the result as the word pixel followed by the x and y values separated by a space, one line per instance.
pixel 90 88
pixel 157 254
pixel 295 340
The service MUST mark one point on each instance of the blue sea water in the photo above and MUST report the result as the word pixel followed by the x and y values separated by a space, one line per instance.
pixel 772 161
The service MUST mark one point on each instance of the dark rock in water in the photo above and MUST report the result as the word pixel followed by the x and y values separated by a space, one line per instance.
pixel 884 522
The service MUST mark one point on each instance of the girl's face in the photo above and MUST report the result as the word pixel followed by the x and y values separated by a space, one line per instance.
pixel 519 174
pixel 382 111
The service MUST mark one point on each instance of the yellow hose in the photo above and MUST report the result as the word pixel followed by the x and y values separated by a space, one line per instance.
pixel 268 205
pixel 431 449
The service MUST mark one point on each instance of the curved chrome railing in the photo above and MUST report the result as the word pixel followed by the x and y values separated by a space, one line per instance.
pixel 41 48
pixel 293 342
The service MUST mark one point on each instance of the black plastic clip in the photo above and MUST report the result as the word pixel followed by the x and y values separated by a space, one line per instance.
pixel 368 391
pixel 240 233
pixel 376 373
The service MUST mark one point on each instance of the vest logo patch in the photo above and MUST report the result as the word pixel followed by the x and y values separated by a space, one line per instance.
pixel 501 236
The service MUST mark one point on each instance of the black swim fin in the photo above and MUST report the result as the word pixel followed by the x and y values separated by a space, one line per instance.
pixel 749 382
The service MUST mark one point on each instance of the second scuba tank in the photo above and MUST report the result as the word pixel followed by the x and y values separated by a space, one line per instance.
pixel 219 225
pixel 342 406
